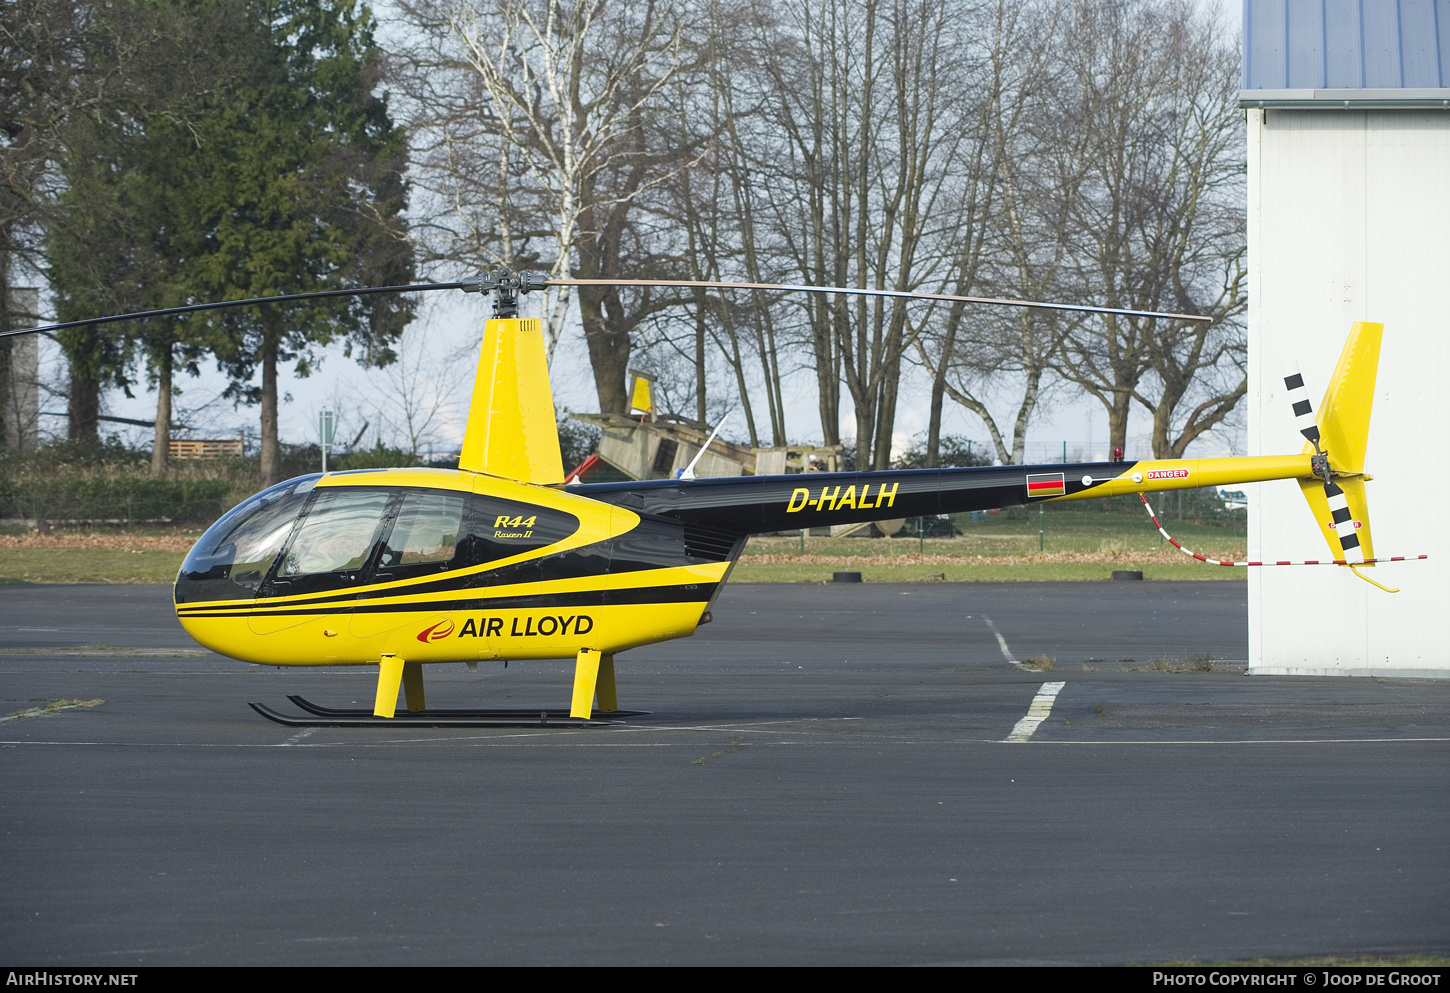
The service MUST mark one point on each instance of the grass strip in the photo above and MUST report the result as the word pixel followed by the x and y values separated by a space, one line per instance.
pixel 945 561
pixel 75 565
pixel 49 707
pixel 979 571
pixel 88 565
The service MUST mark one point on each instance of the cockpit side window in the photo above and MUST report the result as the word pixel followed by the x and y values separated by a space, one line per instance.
pixel 425 535
pixel 334 544
pixel 435 531
pixel 355 536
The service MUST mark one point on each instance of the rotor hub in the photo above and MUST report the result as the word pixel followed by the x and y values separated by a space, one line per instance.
pixel 505 285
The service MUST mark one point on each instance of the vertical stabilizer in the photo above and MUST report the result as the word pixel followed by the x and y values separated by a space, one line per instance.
pixel 1344 417
pixel 511 429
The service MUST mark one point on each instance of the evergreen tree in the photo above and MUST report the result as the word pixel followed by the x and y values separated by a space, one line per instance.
pixel 114 242
pixel 255 160
pixel 47 82
pixel 298 186
pixel 122 244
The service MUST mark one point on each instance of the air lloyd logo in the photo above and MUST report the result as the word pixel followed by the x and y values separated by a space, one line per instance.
pixel 492 627
pixel 834 499
pixel 437 632
pixel 1168 474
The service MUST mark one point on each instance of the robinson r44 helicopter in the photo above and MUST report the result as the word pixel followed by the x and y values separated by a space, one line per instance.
pixel 501 560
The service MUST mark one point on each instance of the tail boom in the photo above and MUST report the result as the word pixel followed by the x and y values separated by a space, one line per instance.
pixel 1183 474
pixel 755 504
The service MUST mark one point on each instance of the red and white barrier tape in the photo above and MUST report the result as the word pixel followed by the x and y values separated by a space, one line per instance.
pixel 1185 551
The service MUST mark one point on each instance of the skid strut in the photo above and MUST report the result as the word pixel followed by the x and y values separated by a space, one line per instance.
pixel 593 672
pixel 393 670
pixel 330 717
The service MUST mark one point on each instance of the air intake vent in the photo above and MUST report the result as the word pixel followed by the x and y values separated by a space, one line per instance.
pixel 710 543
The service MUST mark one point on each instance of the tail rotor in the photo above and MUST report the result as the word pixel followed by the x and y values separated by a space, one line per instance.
pixel 1340 519
pixel 1336 442
pixel 1335 445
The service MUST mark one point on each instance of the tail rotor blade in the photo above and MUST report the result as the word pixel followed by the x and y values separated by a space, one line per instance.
pixel 1344 523
pixel 1299 400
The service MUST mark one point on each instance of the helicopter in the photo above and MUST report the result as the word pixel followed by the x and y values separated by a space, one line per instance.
pixel 502 559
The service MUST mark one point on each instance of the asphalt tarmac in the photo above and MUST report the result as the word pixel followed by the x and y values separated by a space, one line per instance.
pixel 826 778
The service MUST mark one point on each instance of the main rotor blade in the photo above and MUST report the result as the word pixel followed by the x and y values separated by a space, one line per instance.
pixel 171 311
pixel 858 291
pixel 473 284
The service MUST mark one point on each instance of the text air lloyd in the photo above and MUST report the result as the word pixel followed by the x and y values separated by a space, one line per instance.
pixel 527 626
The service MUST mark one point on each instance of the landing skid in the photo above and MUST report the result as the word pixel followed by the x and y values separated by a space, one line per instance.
pixel 329 717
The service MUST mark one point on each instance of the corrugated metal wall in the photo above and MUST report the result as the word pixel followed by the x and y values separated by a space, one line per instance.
pixel 1349 219
pixel 1346 44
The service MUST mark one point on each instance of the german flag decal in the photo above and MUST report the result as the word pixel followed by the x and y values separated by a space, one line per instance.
pixel 1047 484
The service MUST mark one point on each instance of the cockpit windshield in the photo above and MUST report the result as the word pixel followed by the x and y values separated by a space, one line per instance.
pixel 233 557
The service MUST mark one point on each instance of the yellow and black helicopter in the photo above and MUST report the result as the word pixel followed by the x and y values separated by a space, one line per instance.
pixel 501 560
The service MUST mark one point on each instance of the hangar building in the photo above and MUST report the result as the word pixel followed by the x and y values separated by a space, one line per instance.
pixel 1348 112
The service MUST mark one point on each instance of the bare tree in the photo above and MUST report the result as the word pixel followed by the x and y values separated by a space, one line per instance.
pixel 975 356
pixel 412 408
pixel 1058 149
pixel 713 205
pixel 866 116
pixel 1153 215
pixel 739 87
pixel 543 140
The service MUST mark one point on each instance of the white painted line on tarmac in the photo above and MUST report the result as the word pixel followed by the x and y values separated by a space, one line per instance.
pixel 1241 741
pixel 1037 712
pixel 1001 641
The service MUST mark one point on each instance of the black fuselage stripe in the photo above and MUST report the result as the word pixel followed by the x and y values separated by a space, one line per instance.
pixel 699 593
pixel 461 584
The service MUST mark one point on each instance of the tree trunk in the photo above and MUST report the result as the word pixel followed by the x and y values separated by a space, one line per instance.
pixel 700 359
pixel 84 408
pixel 828 378
pixel 5 404
pixel 886 413
pixel 1118 421
pixel 938 392
pixel 271 456
pixel 6 414
pixel 161 446
pixel 608 350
